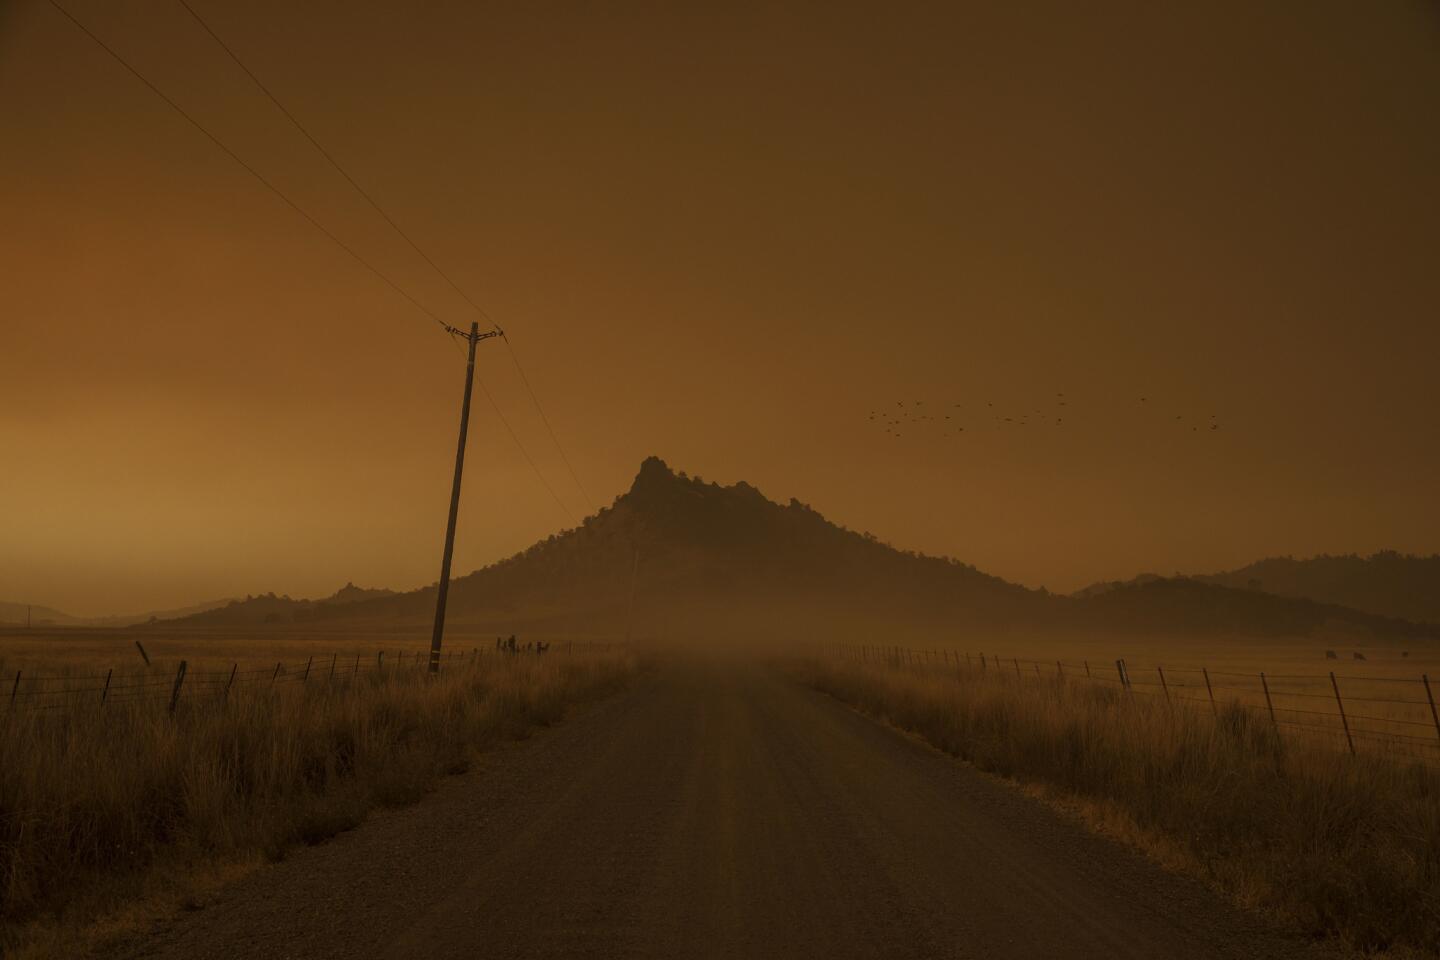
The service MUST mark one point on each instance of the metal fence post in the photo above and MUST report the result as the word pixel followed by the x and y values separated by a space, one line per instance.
pixel 179 680
pixel 1163 685
pixel 1211 691
pixel 1425 679
pixel 1343 721
pixel 231 682
pixel 1268 705
pixel 14 689
pixel 104 694
pixel 308 663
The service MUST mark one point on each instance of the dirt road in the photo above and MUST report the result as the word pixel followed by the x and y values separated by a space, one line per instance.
pixel 717 810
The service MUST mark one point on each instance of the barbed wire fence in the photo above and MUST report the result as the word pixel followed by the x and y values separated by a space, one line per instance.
pixel 40 690
pixel 1397 715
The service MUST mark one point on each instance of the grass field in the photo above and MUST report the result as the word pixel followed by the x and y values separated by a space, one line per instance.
pixel 1341 846
pixel 103 804
pixel 1386 702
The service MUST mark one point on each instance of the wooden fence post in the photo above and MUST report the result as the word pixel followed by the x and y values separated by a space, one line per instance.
pixel 1087 669
pixel 308 664
pixel 1059 670
pixel 1268 705
pixel 1017 665
pixel 104 694
pixel 334 658
pixel 276 673
pixel 1425 679
pixel 231 682
pixel 1163 685
pixel 145 656
pixel 1120 670
pixel 1211 691
pixel 380 660
pixel 1343 721
pixel 179 680
pixel 14 689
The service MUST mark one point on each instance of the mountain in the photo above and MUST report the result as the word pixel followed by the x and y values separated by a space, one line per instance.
pixel 677 554
pixel 725 558
pixel 1390 584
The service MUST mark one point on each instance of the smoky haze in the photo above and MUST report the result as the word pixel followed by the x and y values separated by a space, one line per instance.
pixel 725 236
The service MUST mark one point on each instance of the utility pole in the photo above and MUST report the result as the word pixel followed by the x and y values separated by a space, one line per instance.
pixel 473 337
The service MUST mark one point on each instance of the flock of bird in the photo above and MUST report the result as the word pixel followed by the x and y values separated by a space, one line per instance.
pixel 953 420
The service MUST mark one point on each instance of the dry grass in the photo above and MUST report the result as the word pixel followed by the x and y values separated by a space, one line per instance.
pixel 96 802
pixel 1342 847
pixel 1386 704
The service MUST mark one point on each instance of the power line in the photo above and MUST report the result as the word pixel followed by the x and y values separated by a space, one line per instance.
pixel 313 222
pixel 526 454
pixel 546 420
pixel 331 160
pixel 249 169
pixel 375 205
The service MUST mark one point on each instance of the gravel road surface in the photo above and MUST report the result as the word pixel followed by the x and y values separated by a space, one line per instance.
pixel 716 809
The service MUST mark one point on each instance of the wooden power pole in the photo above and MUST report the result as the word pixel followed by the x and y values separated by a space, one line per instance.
pixel 474 336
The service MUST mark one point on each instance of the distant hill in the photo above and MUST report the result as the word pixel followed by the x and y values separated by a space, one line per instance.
pixel 676 550
pixel 1185 605
pixel 1390 584
pixel 269 608
pixel 14 614
pixel 17 614
pixel 1105 586
pixel 353 594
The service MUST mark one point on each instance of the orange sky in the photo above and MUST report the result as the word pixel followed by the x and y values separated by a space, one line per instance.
pixel 723 234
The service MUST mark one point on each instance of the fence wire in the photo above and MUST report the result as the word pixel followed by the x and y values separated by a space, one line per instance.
pixel 1263 694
